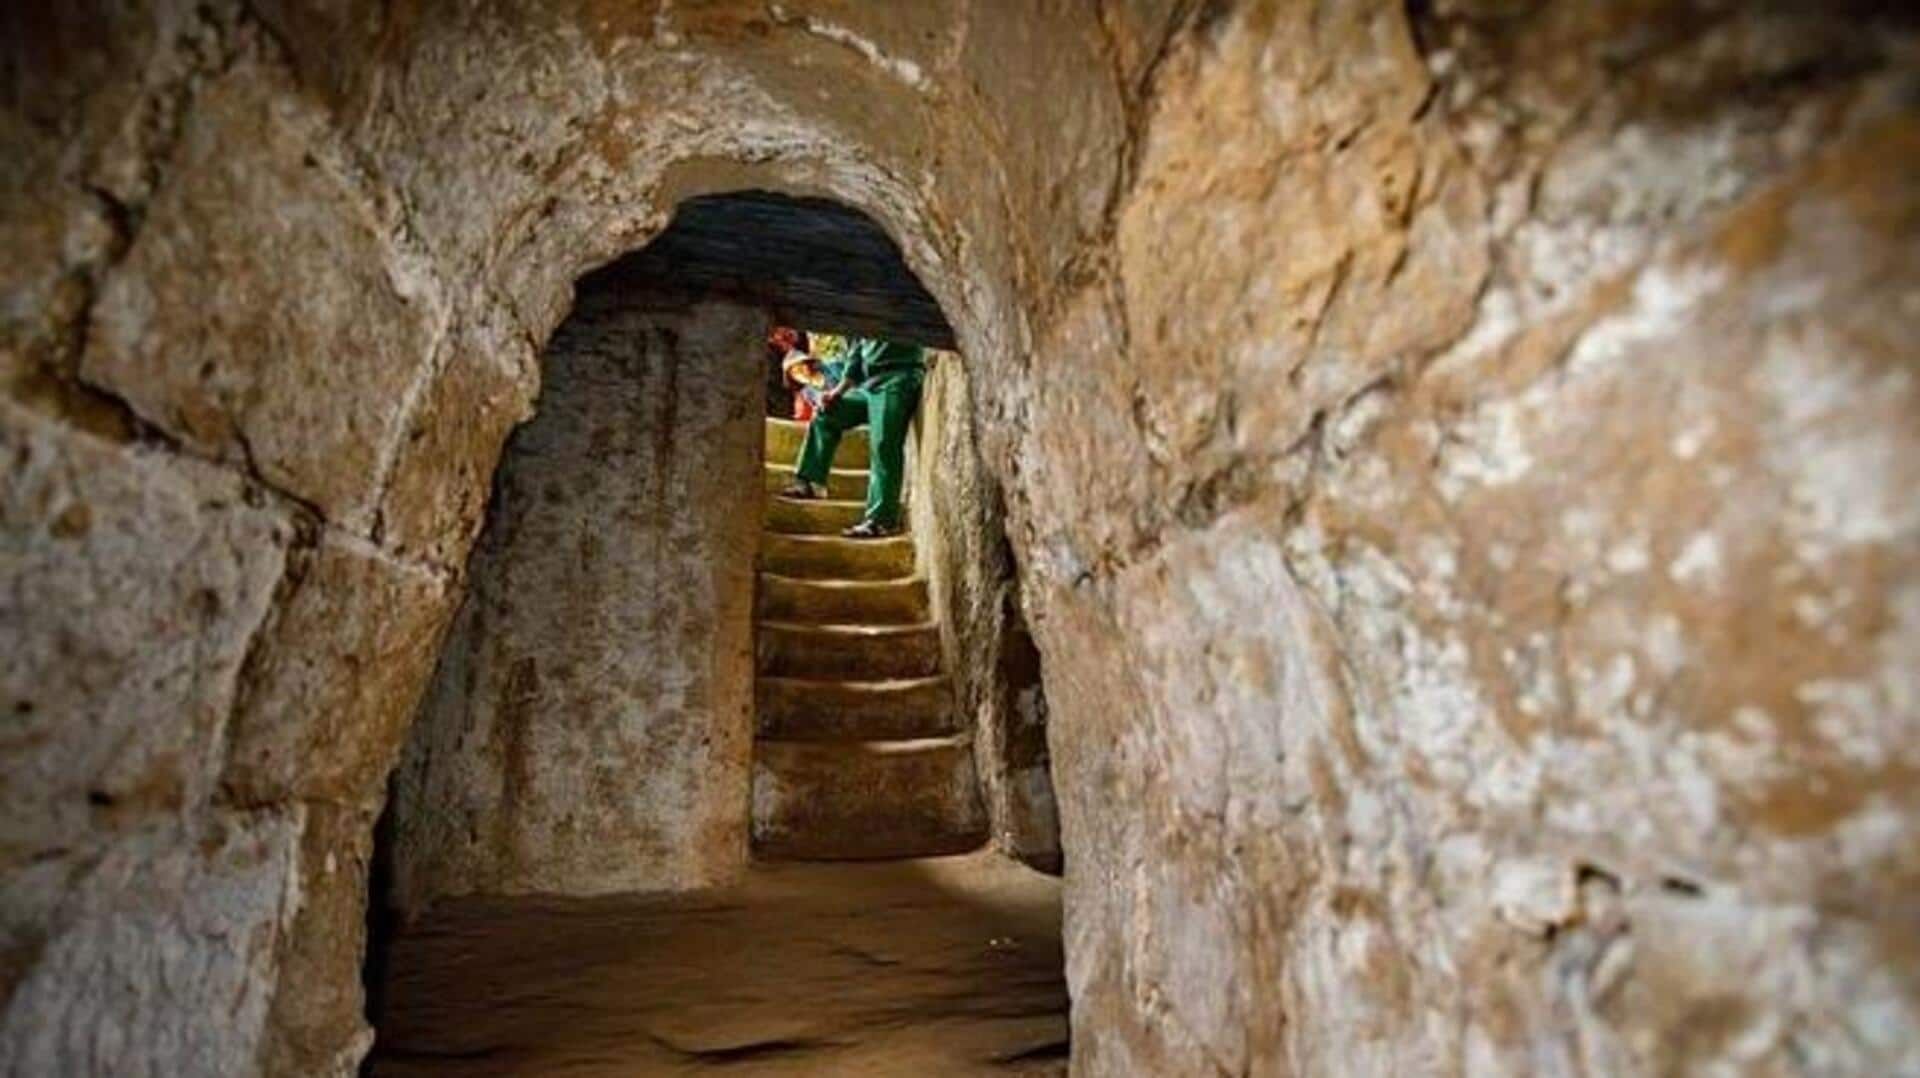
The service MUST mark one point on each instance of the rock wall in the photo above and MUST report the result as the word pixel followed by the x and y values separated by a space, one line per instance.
pixel 1472 534
pixel 219 593
pixel 1459 467
pixel 590 727
pixel 959 526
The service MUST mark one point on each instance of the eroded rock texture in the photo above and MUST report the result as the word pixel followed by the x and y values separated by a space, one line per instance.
pixel 1460 466
pixel 1491 577
pixel 590 725
pixel 959 527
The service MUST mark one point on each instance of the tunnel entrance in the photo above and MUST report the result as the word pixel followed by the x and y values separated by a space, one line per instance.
pixel 671 686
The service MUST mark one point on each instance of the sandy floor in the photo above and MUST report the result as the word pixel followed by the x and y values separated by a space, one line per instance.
pixel 946 966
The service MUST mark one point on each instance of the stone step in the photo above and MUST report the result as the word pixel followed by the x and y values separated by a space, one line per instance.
pixel 842 483
pixel 793 516
pixel 798 709
pixel 788 649
pixel 829 557
pixel 784 438
pixel 844 602
pixel 865 800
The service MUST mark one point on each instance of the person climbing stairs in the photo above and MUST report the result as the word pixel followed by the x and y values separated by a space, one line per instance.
pixel 860 753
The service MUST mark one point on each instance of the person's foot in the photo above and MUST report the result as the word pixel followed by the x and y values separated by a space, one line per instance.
pixel 804 490
pixel 868 529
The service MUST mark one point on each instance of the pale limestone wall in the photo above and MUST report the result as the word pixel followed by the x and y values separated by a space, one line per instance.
pixel 276 282
pixel 1461 476
pixel 960 542
pixel 1474 546
pixel 212 633
pixel 589 729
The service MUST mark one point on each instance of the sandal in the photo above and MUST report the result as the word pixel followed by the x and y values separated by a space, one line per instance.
pixel 804 490
pixel 867 529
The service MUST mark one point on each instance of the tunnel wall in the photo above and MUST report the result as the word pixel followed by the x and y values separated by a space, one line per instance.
pixel 1459 470
pixel 1472 540
pixel 589 727
pixel 279 277
pixel 959 527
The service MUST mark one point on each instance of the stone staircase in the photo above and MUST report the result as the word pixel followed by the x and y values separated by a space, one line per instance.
pixel 860 753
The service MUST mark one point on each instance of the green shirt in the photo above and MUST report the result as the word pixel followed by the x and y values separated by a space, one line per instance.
pixel 872 360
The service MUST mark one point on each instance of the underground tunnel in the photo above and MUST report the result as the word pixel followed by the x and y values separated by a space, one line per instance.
pixel 667 680
pixel 1433 525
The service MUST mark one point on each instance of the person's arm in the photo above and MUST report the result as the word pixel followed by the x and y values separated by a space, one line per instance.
pixel 857 359
pixel 854 374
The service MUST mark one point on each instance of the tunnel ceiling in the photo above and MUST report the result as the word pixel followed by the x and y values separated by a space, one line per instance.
pixel 813 262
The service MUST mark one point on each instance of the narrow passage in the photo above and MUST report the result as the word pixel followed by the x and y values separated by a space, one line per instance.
pixel 861 753
pixel 873 935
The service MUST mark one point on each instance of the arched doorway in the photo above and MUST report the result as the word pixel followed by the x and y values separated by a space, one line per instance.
pixel 666 681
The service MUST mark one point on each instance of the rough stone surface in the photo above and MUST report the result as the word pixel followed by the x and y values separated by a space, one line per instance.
pixel 333 682
pixel 254 370
pixel 960 541
pixel 441 471
pixel 129 979
pixel 1459 469
pixel 1504 646
pixel 589 727
pixel 317 1021
pixel 134 583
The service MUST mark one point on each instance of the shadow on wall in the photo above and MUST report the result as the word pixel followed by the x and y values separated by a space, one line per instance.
pixel 959 521
pixel 1032 819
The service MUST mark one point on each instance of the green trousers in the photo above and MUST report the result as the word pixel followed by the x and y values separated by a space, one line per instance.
pixel 886 405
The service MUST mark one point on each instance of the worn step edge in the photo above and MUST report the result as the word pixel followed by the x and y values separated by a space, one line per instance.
pixel 825 583
pixel 835 652
pixel 851 629
pixel 830 557
pixel 801 516
pixel 799 600
pixel 842 483
pixel 868 800
pixel 882 747
pixel 848 709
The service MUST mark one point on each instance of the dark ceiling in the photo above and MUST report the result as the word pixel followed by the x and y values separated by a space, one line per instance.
pixel 812 262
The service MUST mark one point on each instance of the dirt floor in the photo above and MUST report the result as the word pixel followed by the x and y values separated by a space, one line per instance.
pixel 944 966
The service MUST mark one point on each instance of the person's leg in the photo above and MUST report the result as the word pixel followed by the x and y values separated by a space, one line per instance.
pixel 891 412
pixel 823 435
